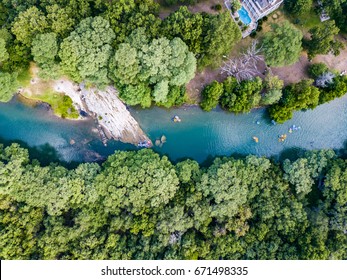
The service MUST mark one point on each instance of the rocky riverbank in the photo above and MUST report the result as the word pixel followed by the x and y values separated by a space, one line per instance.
pixel 105 107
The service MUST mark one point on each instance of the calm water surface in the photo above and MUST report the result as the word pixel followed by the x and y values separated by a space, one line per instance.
pixel 199 135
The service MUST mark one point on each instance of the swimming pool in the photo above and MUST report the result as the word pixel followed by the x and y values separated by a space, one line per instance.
pixel 244 16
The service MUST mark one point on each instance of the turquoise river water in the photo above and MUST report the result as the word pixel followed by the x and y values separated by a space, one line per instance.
pixel 199 136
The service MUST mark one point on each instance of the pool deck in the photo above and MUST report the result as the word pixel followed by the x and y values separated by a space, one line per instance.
pixel 256 10
pixel 250 27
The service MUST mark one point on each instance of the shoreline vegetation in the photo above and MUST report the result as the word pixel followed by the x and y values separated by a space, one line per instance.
pixel 139 205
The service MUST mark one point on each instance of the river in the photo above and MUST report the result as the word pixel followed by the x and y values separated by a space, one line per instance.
pixel 200 135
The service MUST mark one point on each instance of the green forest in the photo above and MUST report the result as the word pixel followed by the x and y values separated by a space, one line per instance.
pixel 139 205
pixel 150 58
pixel 124 43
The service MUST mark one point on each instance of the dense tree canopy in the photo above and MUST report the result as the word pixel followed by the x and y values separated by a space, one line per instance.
pixel 208 36
pixel 337 10
pixel 241 97
pixel 211 95
pixel 61 19
pixel 3 51
pixel 45 48
pixel 186 25
pixel 302 95
pixel 323 39
pixel 8 86
pixel 298 7
pixel 128 15
pixel 221 34
pixel 138 205
pixel 282 46
pixel 273 90
pixel 28 24
pixel 160 64
pixel 96 44
pixel 85 53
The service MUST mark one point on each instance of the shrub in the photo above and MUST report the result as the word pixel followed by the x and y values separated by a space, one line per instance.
pixel 317 69
pixel 218 7
pixel 296 97
pixel 211 95
pixel 253 34
pixel 265 18
pixel 259 28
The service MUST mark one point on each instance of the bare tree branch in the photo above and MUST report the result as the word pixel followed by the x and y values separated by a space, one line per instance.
pixel 244 67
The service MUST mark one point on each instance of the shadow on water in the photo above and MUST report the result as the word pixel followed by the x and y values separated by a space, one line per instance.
pixel 343 152
pixel 292 154
pixel 45 154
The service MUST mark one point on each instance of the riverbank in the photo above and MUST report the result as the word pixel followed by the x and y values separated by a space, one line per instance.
pixel 73 101
pixel 106 108
pixel 35 90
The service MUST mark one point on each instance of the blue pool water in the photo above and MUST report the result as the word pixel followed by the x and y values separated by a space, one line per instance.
pixel 244 16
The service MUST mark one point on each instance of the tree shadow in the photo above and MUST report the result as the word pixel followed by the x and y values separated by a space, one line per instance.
pixel 45 154
pixel 291 153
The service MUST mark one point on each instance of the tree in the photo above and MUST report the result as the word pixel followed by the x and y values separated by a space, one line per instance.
pixel 246 66
pixel 273 90
pixel 19 57
pixel 298 7
pixel 28 24
pixel 13 7
pixel 226 184
pixel 61 20
pixel 8 86
pixel 45 49
pixel 86 52
pixel 298 174
pixel 175 97
pixel 302 95
pixel 336 89
pixel 323 40
pixel 185 25
pixel 241 98
pixel 336 193
pixel 164 59
pixel 211 95
pixel 336 9
pixel 317 69
pixel 235 5
pixel 138 182
pixel 3 51
pixel 221 35
pixel 6 35
pixel 124 65
pixel 282 46
pixel 161 91
pixel 127 15
pixel 160 64
pixel 136 94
